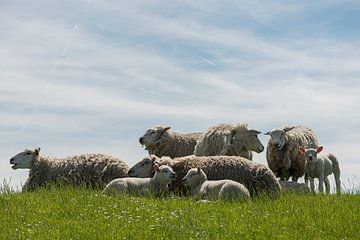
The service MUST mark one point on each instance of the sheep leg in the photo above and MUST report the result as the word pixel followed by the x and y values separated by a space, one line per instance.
pixel 312 185
pixel 327 185
pixel 306 178
pixel 337 180
pixel 321 183
pixel 294 179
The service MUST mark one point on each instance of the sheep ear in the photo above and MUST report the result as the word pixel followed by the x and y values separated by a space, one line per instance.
pixel 267 133
pixel 302 150
pixel 319 149
pixel 37 151
pixel 253 131
pixel 287 128
pixel 166 128
pixel 198 169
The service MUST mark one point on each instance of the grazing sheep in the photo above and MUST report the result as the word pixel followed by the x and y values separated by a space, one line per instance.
pixel 139 186
pixel 217 189
pixel 91 170
pixel 161 141
pixel 282 152
pixel 256 177
pixel 229 139
pixel 294 187
pixel 320 166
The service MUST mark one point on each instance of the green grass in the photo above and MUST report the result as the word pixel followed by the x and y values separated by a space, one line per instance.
pixel 75 213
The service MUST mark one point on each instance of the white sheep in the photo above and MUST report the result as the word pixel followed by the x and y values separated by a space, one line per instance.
pixel 229 139
pixel 91 170
pixel 161 141
pixel 320 166
pixel 158 184
pixel 282 153
pixel 216 189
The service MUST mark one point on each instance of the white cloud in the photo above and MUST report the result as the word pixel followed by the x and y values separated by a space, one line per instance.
pixel 82 72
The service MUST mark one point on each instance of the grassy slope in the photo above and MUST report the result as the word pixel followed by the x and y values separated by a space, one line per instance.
pixel 69 213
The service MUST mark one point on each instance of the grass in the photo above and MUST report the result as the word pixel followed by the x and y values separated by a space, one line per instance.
pixel 77 213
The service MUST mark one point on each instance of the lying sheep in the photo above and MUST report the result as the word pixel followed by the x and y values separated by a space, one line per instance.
pixel 320 166
pixel 161 141
pixel 158 184
pixel 256 177
pixel 217 189
pixel 229 139
pixel 294 187
pixel 91 170
pixel 282 152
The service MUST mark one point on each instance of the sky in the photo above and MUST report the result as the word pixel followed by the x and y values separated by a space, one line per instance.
pixel 91 76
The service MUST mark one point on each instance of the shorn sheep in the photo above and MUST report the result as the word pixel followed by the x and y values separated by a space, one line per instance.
pixel 320 166
pixel 258 178
pixel 282 153
pixel 229 139
pixel 196 179
pixel 161 141
pixel 157 185
pixel 91 170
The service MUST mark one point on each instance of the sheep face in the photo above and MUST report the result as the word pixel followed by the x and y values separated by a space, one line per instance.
pixel 310 153
pixel 277 138
pixel 25 159
pixel 194 177
pixel 144 168
pixel 164 174
pixel 152 136
pixel 240 140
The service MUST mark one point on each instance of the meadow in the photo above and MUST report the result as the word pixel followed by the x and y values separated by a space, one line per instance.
pixel 79 213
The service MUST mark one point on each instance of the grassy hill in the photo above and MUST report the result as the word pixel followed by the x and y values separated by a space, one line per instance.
pixel 76 213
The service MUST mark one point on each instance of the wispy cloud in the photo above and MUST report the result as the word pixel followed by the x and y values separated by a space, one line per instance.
pixel 92 75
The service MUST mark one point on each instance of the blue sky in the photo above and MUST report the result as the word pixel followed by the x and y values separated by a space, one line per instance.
pixel 91 76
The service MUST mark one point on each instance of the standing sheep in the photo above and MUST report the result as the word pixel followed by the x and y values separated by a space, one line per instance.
pixel 282 152
pixel 320 166
pixel 196 179
pixel 256 177
pixel 229 139
pixel 158 184
pixel 91 170
pixel 161 141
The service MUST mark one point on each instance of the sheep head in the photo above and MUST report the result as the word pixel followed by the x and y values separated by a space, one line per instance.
pixel 153 135
pixel 25 159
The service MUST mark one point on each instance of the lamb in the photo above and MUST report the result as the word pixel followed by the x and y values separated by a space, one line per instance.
pixel 161 141
pixel 282 152
pixel 158 184
pixel 196 179
pixel 90 170
pixel 294 187
pixel 320 166
pixel 229 139
pixel 256 177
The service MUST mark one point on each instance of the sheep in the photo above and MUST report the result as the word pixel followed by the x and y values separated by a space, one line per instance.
pixel 256 177
pixel 161 141
pixel 282 152
pixel 158 184
pixel 229 139
pixel 320 166
pixel 294 187
pixel 196 179
pixel 90 170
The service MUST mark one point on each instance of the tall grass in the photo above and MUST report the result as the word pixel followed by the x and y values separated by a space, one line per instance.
pixel 77 213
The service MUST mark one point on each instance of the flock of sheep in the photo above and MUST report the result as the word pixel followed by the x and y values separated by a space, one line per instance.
pixel 216 164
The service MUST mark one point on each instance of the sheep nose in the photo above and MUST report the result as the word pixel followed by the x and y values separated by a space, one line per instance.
pixel 141 140
pixel 12 160
pixel 130 172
